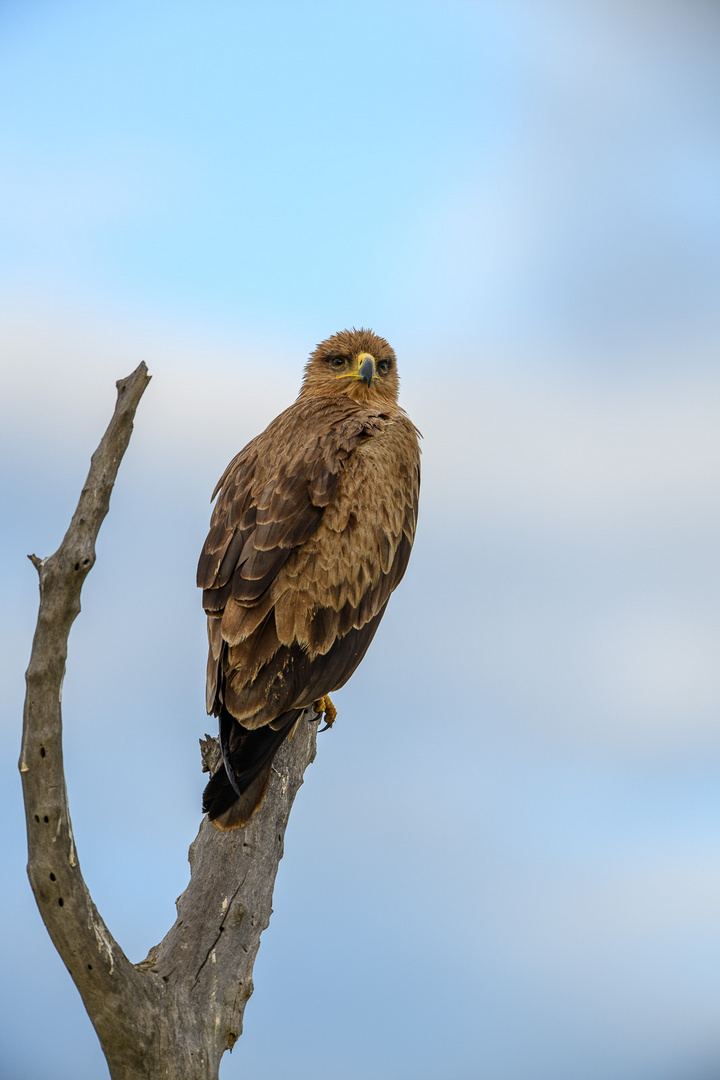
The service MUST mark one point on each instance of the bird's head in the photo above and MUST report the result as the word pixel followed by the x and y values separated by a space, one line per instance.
pixel 354 362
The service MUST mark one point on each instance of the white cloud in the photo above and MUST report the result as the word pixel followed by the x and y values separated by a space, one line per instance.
pixel 575 455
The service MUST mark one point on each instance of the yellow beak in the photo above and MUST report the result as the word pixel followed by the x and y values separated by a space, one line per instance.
pixel 366 368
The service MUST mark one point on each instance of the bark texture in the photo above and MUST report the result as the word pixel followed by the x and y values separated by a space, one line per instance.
pixel 174 1014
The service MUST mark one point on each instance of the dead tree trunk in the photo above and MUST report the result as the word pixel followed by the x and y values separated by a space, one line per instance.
pixel 173 1015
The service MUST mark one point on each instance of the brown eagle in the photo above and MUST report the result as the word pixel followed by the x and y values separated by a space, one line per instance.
pixel 311 533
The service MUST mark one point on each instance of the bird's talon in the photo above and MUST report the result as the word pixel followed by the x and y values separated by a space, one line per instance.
pixel 324 707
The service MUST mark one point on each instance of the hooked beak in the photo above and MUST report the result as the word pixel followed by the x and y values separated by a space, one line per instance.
pixel 366 368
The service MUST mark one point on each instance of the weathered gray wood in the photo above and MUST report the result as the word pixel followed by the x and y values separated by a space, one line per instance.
pixel 206 959
pixel 173 1015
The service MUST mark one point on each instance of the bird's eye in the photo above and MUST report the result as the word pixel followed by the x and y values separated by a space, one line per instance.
pixel 336 361
pixel 383 366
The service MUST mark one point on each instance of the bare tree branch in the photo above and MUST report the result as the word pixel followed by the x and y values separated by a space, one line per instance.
pixel 176 1013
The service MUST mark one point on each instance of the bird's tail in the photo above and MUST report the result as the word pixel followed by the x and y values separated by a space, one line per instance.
pixel 236 791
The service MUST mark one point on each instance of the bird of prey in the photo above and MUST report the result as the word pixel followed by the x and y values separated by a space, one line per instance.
pixel 311 532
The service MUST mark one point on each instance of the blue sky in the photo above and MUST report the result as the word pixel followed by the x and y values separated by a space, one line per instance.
pixel 505 861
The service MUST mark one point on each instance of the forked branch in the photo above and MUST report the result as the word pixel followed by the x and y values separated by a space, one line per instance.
pixel 174 1014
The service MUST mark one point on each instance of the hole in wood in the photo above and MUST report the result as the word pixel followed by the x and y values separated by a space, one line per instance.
pixel 42 751
pixel 52 877
pixel 46 819
pixel 37 818
pixel 60 901
pixel 89 967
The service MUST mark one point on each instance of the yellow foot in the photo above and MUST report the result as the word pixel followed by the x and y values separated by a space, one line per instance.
pixel 325 708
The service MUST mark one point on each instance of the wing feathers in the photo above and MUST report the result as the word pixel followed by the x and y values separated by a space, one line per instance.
pixel 311 532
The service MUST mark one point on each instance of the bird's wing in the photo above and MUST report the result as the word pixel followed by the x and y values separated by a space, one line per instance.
pixel 343 576
pixel 272 499
pixel 308 631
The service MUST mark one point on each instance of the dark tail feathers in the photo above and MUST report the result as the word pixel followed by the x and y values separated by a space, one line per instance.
pixel 236 791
